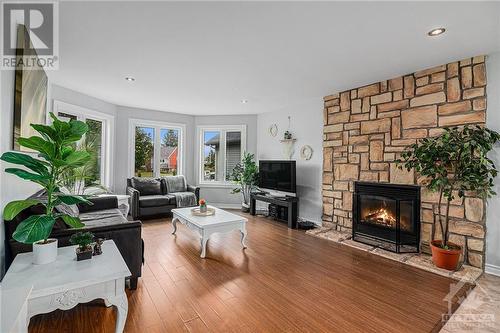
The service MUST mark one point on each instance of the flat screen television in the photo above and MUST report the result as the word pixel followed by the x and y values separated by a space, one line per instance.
pixel 277 175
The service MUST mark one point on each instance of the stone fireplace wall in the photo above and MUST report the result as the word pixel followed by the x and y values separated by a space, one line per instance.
pixel 366 129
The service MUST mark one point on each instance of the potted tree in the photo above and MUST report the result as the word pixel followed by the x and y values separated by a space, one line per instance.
pixel 246 175
pixel 83 240
pixel 452 164
pixel 56 154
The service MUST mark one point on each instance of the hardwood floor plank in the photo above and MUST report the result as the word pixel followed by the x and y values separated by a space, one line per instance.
pixel 285 281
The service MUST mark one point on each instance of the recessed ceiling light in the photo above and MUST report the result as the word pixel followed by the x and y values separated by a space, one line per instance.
pixel 436 32
pixel 130 79
pixel 244 101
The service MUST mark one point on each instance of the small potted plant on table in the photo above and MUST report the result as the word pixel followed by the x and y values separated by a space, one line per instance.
pixel 84 241
pixel 452 164
pixel 203 206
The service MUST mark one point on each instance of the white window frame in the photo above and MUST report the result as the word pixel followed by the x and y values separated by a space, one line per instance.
pixel 108 128
pixel 223 129
pixel 157 126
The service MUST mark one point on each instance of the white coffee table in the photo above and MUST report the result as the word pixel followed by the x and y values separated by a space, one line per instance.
pixel 66 282
pixel 205 226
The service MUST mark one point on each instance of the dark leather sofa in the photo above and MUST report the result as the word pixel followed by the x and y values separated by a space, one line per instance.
pixel 108 225
pixel 151 197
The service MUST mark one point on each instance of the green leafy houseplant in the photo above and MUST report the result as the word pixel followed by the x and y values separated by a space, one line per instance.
pixel 56 155
pixel 452 164
pixel 246 174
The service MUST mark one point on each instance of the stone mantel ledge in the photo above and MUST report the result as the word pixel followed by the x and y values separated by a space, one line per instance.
pixel 466 273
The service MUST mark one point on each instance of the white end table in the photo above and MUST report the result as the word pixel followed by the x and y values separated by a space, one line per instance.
pixel 66 282
pixel 123 204
pixel 205 226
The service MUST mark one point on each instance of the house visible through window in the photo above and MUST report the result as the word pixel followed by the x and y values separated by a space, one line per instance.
pixel 221 149
pixel 157 149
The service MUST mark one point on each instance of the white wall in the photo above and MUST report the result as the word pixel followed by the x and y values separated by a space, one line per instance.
pixel 493 205
pixel 123 151
pixel 2 139
pixel 12 187
pixel 307 127
pixel 221 196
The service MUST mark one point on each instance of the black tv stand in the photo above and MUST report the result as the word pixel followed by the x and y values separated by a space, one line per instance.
pixel 290 203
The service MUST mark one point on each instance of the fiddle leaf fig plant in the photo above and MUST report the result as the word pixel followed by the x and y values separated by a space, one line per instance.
pixel 56 154
pixel 246 175
pixel 452 163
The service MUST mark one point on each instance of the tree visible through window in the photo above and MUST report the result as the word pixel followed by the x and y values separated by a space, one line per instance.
pixel 210 150
pixel 157 150
pixel 144 138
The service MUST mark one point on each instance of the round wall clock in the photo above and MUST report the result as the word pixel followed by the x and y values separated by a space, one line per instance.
pixel 306 152
pixel 273 130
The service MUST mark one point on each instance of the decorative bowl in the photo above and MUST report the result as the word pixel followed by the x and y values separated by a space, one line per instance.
pixel 196 211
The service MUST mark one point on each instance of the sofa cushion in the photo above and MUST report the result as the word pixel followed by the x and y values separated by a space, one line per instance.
pixel 175 184
pixel 147 186
pixel 156 200
pixel 103 217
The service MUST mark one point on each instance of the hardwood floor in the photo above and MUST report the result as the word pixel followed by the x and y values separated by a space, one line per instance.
pixel 284 281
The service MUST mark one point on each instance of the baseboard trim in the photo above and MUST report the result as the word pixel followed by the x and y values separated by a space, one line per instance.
pixel 225 205
pixel 492 269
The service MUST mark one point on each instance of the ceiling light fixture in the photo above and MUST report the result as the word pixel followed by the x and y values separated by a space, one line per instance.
pixel 436 32
pixel 130 79
pixel 244 101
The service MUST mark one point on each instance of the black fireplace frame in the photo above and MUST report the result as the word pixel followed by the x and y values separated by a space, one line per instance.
pixel 397 193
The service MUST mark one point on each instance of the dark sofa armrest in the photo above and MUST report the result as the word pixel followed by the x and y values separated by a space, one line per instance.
pixel 133 201
pixel 195 190
pixel 98 203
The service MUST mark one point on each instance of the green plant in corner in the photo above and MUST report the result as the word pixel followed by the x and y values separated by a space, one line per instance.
pixel 56 155
pixel 452 164
pixel 246 175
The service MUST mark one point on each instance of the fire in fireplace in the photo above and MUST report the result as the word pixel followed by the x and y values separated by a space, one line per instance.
pixel 387 216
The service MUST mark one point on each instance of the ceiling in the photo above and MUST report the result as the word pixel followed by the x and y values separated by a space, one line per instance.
pixel 203 58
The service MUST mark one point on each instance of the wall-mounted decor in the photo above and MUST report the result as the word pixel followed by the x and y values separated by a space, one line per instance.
pixel 30 92
pixel 287 135
pixel 288 145
pixel 306 152
pixel 273 130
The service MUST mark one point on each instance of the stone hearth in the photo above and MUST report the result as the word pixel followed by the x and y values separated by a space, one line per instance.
pixel 466 273
pixel 367 128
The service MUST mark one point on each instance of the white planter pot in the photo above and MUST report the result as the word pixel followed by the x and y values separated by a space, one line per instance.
pixel 44 253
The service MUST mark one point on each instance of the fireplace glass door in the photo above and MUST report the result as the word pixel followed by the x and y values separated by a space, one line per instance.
pixel 386 216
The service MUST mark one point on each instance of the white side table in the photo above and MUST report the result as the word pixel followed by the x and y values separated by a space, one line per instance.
pixel 123 204
pixel 66 282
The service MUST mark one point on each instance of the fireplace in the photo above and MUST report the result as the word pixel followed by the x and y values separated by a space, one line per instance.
pixel 387 216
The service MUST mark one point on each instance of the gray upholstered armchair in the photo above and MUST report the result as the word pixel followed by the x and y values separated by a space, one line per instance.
pixel 157 196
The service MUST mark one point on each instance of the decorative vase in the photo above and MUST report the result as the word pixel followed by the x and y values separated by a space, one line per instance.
pixel 445 258
pixel 83 255
pixel 45 253
pixel 203 208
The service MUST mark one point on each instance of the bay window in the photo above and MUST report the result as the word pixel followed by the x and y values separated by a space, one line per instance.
pixel 221 149
pixel 157 148
pixel 98 142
